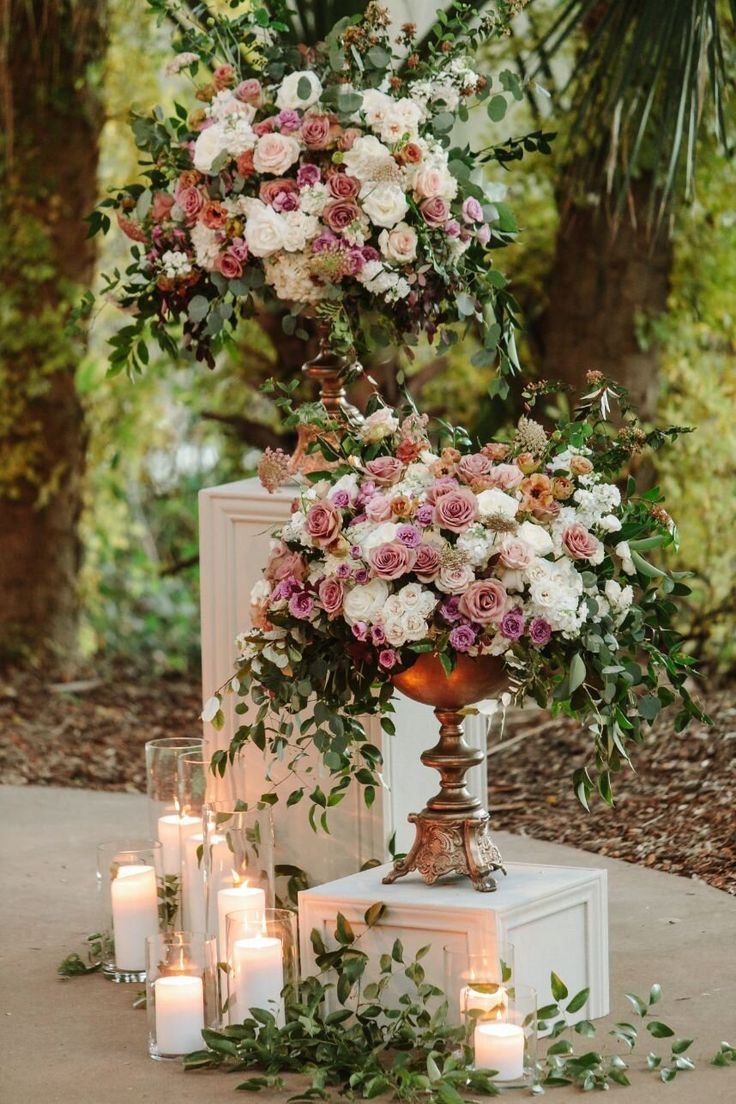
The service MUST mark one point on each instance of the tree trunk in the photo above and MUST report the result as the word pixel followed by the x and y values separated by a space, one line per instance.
pixel 602 285
pixel 51 128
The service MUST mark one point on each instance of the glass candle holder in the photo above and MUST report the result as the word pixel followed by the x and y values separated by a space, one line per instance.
pixel 262 964
pixel 170 822
pixel 131 902
pixel 476 982
pixel 238 860
pixel 507 1042
pixel 181 992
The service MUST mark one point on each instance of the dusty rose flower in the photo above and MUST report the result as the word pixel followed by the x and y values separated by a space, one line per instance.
pixel 506 477
pixel 512 624
pixel 515 554
pixel 161 206
pixel 249 91
pixel 323 523
pixel 424 515
pixel 441 487
pixel 472 210
pixel 214 215
pixel 579 543
pixel 463 638
pixel 456 510
pixel 223 76
pixel 378 508
pixel 266 126
pixel 409 535
pixel 300 604
pixel 385 470
pixel 307 175
pixel 346 139
pixel 331 592
pixel 581 465
pixel 283 563
pixel 270 189
pixel 546 511
pixel 454 578
pixel 315 131
pixel 434 211
pixel 340 213
pixel 562 488
pixel 427 562
pixel 343 186
pixel 191 202
pixel 540 632
pixel 288 121
pixel 408 450
pixel 388 658
pixel 228 263
pixel 391 560
pixel 484 601
pixel 471 467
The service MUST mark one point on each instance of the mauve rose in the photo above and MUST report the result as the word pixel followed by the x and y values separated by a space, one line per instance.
pixel 307 175
pixel 450 609
pixel 391 560
pixel 540 631
pixel 264 127
pixel 249 91
pixel 359 630
pixel 283 563
pixel 229 265
pixel 323 523
pixel 340 213
pixel 343 186
pixel 344 571
pixel 190 200
pixel 377 634
pixel 388 658
pixel 346 139
pixel 452 228
pixel 385 470
pixel 579 543
pixel 456 510
pixel 463 638
pixel 427 563
pixel 288 121
pixel 441 487
pixel 454 578
pixel 506 477
pixel 472 210
pixel 484 601
pixel 546 512
pixel 161 206
pixel 483 234
pixel 269 189
pixel 331 592
pixel 315 131
pixel 300 604
pixel 471 467
pixel 434 211
pixel 340 498
pixel 512 624
pixel 424 515
pixel 353 261
pixel 286 201
pixel 409 536
pixel 378 508
pixel 369 253
pixel 515 554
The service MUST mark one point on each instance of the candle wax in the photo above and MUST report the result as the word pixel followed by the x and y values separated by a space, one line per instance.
pixel 179 1001
pixel 242 898
pixel 172 828
pixel 134 915
pixel 500 1046
pixel 258 977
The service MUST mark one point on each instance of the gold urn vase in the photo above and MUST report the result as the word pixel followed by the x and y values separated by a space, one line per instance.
pixel 453 830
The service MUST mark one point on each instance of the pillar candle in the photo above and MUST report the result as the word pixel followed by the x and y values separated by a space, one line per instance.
pixel 179 1001
pixel 500 1046
pixel 242 898
pixel 172 828
pixel 258 977
pixel 134 914
pixel 194 889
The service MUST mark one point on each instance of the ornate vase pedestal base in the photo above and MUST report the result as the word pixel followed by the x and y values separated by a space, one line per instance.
pixel 451 845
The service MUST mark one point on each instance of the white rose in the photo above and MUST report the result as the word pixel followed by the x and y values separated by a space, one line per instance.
pixel 494 503
pixel 395 631
pixel 415 626
pixel 378 425
pixel 298 229
pixel 366 157
pixel 275 153
pixel 399 244
pixel 415 597
pixel 536 536
pixel 364 603
pixel 375 107
pixel 400 117
pixel 610 524
pixel 381 534
pixel 623 551
pixel 288 98
pixel 209 145
pixel 385 204
pixel 432 181
pixel 264 232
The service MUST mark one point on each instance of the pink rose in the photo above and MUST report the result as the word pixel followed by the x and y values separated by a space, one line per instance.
pixel 427 563
pixel 307 175
pixel 191 202
pixel 484 601
pixel 346 139
pixel 441 487
pixel 434 211
pixel 275 153
pixel 472 210
pixel 378 508
pixel 229 265
pixel 340 213
pixel 331 592
pixel 506 477
pixel 283 563
pixel 456 510
pixel 343 186
pixel 270 189
pixel 249 91
pixel 579 543
pixel 315 131
pixel 391 560
pixel 515 554
pixel 162 204
pixel 323 523
pixel 223 76
pixel 385 470
pixel 472 467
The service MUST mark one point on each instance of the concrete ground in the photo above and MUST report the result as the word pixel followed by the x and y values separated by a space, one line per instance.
pixel 81 1041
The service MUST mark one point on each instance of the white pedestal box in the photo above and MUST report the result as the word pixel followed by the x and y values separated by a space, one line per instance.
pixel 235 522
pixel 556 918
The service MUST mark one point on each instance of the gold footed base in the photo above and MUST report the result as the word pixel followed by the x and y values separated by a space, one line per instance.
pixel 451 845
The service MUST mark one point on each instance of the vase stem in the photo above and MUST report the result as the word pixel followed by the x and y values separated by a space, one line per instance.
pixel 453 758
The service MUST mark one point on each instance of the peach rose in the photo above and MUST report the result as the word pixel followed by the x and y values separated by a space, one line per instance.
pixel 385 470
pixel 323 523
pixel 391 560
pixel 580 465
pixel 484 602
pixel 378 508
pixel 579 543
pixel 275 153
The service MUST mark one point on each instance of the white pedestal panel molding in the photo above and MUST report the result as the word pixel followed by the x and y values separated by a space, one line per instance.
pixel 235 522
pixel 556 918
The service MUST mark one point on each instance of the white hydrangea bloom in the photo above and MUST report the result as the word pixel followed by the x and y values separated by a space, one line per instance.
pixel 595 502
pixel 476 544
pixel 175 263
pixel 206 246
pixel 495 503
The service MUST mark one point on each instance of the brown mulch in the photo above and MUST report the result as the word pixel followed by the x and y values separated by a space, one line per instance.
pixel 676 813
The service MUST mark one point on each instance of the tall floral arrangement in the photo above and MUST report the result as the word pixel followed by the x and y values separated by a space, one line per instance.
pixel 411 541
pixel 325 182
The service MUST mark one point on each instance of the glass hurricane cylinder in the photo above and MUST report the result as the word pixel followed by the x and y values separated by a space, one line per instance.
pixel 170 822
pixel 181 992
pixel 239 864
pixel 262 964
pixel 195 785
pixel 130 905
pixel 475 983
pixel 507 1041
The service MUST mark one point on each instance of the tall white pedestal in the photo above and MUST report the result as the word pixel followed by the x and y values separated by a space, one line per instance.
pixel 235 522
pixel 555 917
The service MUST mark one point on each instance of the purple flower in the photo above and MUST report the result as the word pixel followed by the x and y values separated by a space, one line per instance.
pixel 472 210
pixel 369 253
pixel 452 228
pixel 463 637
pixel 450 609
pixel 361 576
pixel 356 551
pixel 540 631
pixel 343 571
pixel 409 536
pixel 360 630
pixel 377 634
pixel 300 604
pixel 512 624
pixel 239 249
pixel 353 261
pixel 327 242
pixel 308 175
pixel 288 121
pixel 424 515
pixel 388 658
pixel 366 490
pixel 286 201
pixel 340 498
